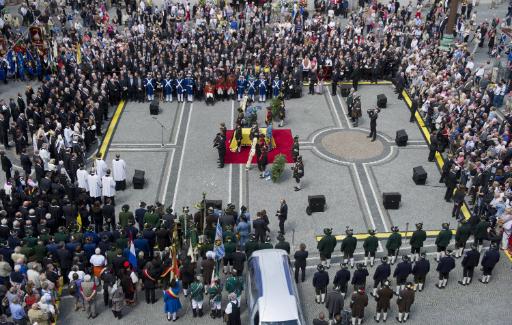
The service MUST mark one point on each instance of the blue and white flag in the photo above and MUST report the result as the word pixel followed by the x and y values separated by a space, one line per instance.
pixel 132 257
pixel 219 244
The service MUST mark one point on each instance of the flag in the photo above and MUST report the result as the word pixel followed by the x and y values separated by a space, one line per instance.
pixel 219 244
pixel 175 269
pixel 21 66
pixel 79 221
pixel 78 53
pixel 190 252
pixel 10 60
pixel 132 257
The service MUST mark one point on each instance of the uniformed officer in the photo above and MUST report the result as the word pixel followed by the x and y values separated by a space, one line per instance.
pixel 359 277
pixel 325 247
pixel 197 296
pixel 350 101
pixel 445 266
pixel 150 87
pixel 229 249
pixel 417 239
pixel 298 173
pixel 180 87
pixel 189 86
pixel 404 301
pixel 402 271
pixel 241 84
pixel 374 115
pixel 370 245
pixel 382 273
pixel 251 87
pixel 420 271
pixel 282 244
pixel 461 237
pixel 443 240
pixel 469 262
pixel 393 244
pixel 348 246
pixel 481 232
pixel 215 294
pixel 276 86
pixel 341 279
pixel 320 282
pixel 167 83
pixel 489 261
pixel 235 284
pixel 251 246
pixel 262 88
pixel 220 144
pixel 267 244
pixel 383 297
pixel 295 148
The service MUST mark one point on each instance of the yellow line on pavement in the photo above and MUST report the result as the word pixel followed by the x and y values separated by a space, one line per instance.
pixel 110 130
pixel 385 235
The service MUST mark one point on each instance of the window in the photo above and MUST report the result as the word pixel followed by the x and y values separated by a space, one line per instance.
pixel 286 322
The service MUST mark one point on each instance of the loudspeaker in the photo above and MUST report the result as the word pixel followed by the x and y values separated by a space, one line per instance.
pixel 296 92
pixel 216 204
pixel 391 200
pixel 154 107
pixel 316 203
pixel 401 138
pixel 382 101
pixel 138 179
pixel 345 90
pixel 419 175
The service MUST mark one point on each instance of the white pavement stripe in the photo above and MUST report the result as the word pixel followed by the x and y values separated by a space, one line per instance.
pixel 179 125
pixel 168 177
pixel 391 152
pixel 138 149
pixel 182 152
pixel 344 112
pixel 230 181
pixel 375 198
pixel 334 108
pixel 241 187
pixel 367 206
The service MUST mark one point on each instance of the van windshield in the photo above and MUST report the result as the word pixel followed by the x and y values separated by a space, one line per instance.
pixel 286 322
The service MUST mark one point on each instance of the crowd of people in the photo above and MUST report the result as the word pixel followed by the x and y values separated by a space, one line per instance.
pixel 59 224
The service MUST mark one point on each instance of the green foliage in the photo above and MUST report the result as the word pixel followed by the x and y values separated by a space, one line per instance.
pixel 275 104
pixel 278 167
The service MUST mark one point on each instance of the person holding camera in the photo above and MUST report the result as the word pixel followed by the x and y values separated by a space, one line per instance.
pixel 373 114
pixel 298 173
pixel 282 215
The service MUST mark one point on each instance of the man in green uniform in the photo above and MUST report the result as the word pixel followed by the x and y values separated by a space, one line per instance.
pixel 197 296
pixel 370 245
pixel 267 244
pixel 215 293
pixel 61 235
pixel 125 215
pixel 228 232
pixel 326 246
pixel 481 233
pixel 251 246
pixel 461 237
pixel 151 218
pixel 295 148
pixel 39 251
pixel 229 249
pixel 235 284
pixel 282 244
pixel 443 240
pixel 417 239
pixel 348 246
pixel 393 244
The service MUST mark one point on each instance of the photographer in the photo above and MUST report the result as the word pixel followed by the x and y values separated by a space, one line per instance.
pixel 373 114
pixel 282 215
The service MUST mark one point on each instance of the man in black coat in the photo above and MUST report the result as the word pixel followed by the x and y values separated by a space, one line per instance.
pixel 420 271
pixel 25 162
pixel 320 282
pixel 65 260
pixel 238 261
pixel 402 271
pixel 260 229
pixel 282 215
pixel 6 165
pixel 469 262
pixel 359 277
pixel 451 183
pixel 341 279
pixel 382 273
pixel 445 266
pixel 489 261
pixel 300 257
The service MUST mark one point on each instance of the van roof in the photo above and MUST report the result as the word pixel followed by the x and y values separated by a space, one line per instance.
pixel 278 302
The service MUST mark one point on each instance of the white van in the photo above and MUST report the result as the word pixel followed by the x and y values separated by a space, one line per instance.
pixel 272 295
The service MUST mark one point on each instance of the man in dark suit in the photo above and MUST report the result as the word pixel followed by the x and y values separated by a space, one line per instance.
pixel 6 164
pixel 282 215
pixel 260 228
pixel 300 257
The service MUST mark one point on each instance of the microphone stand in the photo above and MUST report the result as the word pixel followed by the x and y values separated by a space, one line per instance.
pixel 163 127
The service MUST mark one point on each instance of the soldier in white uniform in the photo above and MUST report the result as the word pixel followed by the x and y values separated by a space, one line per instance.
pixel 119 173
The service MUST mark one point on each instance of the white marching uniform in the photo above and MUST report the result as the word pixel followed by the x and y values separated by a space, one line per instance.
pixel 81 176
pixel 101 167
pixel 108 186
pixel 94 184
pixel 119 170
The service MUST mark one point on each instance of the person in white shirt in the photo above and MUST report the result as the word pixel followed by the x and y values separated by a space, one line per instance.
pixel 119 173
pixel 108 187
pixel 81 177
pixel 100 165
pixel 98 262
pixel 94 186
pixel 74 270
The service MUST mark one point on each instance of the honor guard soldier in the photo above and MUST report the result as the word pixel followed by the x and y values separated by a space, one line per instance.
pixel 197 296
pixel 189 87
pixel 220 88
pixel 298 173
pixel 341 279
pixel 282 244
pixel 240 87
pixel 420 271
pixel 404 301
pixel 350 101
pixel 180 87
pixel 276 86
pixel 417 239
pixel 356 112
pixel 393 244
pixel 262 88
pixel 481 232
pixel 325 247
pixel 209 94
pixel 383 297
pixel 461 237
pixel 359 277
pixel 251 246
pixel 235 284
pixel 231 86
pixel 167 82
pixel 370 245
pixel 334 303
pixel 357 304
pixel 251 87
pixel 348 246
pixel 215 294
pixel 295 148
pixel 402 271
pixel 282 111
pixel 229 249
pixel 320 282
pixel 220 144
pixel 469 262
pixel 382 273
pixel 443 240
pixel 150 87
pixel 445 266
pixel 489 261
